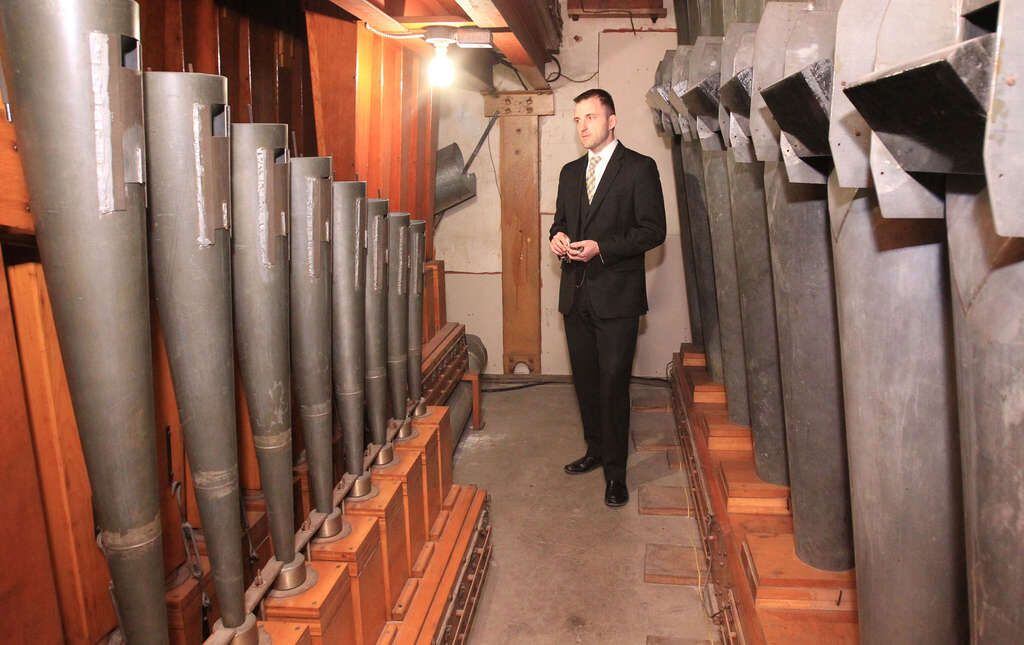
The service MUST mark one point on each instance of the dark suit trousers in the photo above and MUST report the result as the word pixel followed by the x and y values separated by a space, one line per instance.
pixel 601 353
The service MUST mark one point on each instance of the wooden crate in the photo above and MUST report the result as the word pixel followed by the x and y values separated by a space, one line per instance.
pixel 425 445
pixel 326 607
pixel 747 493
pixel 407 469
pixel 362 551
pixel 185 607
pixel 388 508
pixel 282 633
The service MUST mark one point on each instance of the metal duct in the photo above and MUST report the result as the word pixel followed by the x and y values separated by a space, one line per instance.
pixel 259 193
pixel 460 408
pixel 348 227
pixel 74 72
pixel 417 251
pixel 310 208
pixel 376 377
pixel 187 128
pixel 452 185
pixel 398 314
pixel 477 353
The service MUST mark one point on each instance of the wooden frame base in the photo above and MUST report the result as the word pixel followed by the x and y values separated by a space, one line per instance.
pixel 388 508
pixel 326 607
pixel 746 493
pixel 781 581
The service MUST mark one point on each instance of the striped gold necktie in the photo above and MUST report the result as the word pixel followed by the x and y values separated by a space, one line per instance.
pixel 592 177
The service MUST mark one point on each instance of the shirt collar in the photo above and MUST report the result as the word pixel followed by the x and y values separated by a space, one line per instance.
pixel 605 153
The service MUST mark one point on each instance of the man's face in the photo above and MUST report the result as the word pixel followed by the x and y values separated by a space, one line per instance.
pixel 594 124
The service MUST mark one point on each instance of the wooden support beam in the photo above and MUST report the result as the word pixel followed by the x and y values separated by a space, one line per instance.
pixel 519 104
pixel 383 21
pixel 519 178
pixel 14 207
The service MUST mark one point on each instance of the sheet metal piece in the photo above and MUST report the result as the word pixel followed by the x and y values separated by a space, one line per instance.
pixel 716 178
pixel 259 194
pixel 769 67
pixel 187 129
pixel 452 185
pixel 809 362
pixel 857 23
pixel 988 298
pixel 376 376
pixel 74 74
pixel 942 98
pixel 902 194
pixel 701 96
pixel 398 313
pixel 1004 135
pixel 901 424
pixel 735 36
pixel 348 284
pixel 310 207
pixel 417 256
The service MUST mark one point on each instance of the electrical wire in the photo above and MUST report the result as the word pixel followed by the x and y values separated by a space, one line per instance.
pixel 384 34
pixel 504 61
pixel 551 78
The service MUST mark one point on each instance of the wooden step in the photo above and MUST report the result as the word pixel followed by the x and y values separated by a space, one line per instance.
pixel 780 580
pixel 745 492
pixel 719 433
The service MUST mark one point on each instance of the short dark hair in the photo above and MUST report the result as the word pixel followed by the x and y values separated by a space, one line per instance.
pixel 601 95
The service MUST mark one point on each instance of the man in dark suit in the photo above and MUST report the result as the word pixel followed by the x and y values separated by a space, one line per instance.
pixel 609 212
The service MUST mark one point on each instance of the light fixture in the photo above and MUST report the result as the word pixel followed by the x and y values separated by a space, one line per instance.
pixel 441 70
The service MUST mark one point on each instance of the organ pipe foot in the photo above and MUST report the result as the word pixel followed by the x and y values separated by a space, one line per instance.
pixel 294 577
pixel 334 527
pixel 248 633
pixel 385 456
pixel 362 488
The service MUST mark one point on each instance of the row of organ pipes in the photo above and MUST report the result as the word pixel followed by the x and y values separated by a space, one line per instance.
pixel 852 172
pixel 318 287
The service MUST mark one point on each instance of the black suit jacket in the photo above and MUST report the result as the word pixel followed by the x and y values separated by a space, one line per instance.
pixel 626 219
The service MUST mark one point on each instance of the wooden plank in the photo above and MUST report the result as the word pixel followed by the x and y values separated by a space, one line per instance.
pixel 28 587
pixel 201 39
pixel 14 203
pixel 82 574
pixel 420 21
pixel 163 47
pixel 653 9
pixel 520 250
pixel 332 65
pixel 653 499
pixel 519 104
pixel 409 150
pixel 429 117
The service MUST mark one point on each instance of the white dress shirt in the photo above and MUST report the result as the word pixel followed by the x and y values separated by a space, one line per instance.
pixel 604 156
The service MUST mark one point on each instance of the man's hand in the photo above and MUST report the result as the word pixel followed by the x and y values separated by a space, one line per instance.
pixel 560 244
pixel 583 251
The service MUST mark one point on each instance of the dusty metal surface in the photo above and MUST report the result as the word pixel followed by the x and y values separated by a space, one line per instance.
pixel 417 253
pixel 901 424
pixel 811 372
pixel 452 186
pixel 310 209
pixel 187 126
pixel 376 375
pixel 259 194
pixel 348 283
pixel 74 74
pixel 398 313
pixel 1004 136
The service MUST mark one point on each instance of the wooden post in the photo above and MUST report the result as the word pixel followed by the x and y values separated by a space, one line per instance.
pixel 519 180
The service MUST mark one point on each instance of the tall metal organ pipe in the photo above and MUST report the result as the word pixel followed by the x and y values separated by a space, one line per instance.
pixel 74 71
pixel 187 133
pixel 348 226
pixel 398 318
pixel 310 199
pixel 417 252
pixel 376 326
pixel 259 193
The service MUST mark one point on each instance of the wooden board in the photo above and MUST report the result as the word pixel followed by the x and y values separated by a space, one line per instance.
pixel 703 389
pixel 361 550
pixel 519 104
pixel 652 9
pixel 425 443
pixel 285 633
pixel 28 587
pixel 407 469
pixel 747 493
pixel 809 627
pixel 652 432
pixel 332 59
pixel 519 179
pixel 672 564
pixel 326 607
pixel 82 576
pixel 651 400
pixel 781 581
pixel 14 207
pixel 721 434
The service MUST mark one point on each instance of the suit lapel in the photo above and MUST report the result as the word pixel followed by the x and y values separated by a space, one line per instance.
pixel 607 179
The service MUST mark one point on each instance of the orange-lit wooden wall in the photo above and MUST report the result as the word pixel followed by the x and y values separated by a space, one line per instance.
pixel 343 92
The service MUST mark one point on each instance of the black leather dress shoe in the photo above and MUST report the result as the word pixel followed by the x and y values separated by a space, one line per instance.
pixel 615 493
pixel 583 465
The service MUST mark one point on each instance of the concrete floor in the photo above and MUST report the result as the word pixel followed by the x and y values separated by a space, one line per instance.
pixel 566 568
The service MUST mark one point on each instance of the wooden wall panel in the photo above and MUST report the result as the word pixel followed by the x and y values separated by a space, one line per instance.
pixel 28 592
pixel 520 251
pixel 86 610
pixel 14 208
pixel 332 65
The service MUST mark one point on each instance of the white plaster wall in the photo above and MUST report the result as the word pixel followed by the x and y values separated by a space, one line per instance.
pixel 468 239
